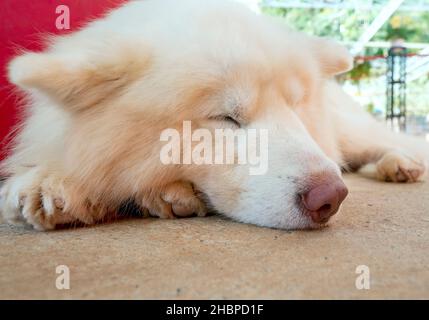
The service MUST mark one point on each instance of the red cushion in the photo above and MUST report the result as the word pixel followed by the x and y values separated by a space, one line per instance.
pixel 21 24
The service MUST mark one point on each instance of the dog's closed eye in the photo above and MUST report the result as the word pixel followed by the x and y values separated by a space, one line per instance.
pixel 227 118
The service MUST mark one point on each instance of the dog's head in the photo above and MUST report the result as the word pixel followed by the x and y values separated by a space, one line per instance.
pixel 215 66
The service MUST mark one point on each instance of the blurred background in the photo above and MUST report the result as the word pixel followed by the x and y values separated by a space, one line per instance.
pixel 389 40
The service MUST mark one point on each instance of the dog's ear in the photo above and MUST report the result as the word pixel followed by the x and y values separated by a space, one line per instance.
pixel 332 57
pixel 78 81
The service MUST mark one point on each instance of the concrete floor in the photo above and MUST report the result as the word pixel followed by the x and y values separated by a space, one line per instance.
pixel 383 226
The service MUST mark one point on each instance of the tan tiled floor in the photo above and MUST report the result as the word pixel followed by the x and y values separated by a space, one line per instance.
pixel 383 226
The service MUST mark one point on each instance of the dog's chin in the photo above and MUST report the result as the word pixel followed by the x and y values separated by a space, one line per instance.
pixel 300 222
pixel 307 225
pixel 317 226
pixel 297 218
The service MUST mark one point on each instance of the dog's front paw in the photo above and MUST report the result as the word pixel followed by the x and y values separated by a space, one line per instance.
pixel 183 200
pixel 44 201
pixel 34 198
pixel 178 199
pixel 398 167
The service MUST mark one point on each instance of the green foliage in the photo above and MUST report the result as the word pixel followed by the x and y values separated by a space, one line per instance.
pixel 410 26
pixel 361 71
pixel 370 108
pixel 347 25
pixel 342 25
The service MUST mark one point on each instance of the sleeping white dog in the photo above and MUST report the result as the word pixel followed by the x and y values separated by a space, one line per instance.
pixel 98 101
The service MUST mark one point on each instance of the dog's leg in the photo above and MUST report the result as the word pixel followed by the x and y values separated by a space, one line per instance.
pixel 177 199
pixel 397 157
pixel 45 200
